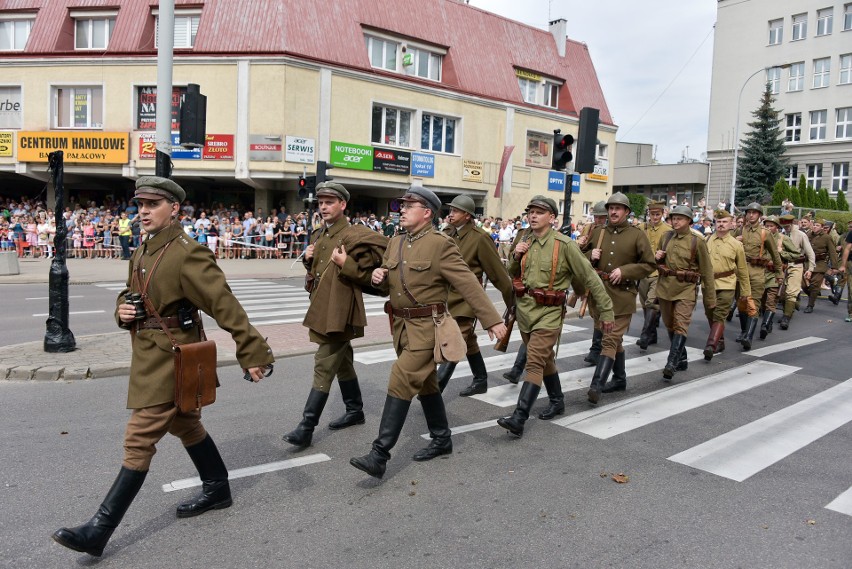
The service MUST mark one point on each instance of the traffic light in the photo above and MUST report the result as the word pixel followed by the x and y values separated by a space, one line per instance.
pixel 322 167
pixel 193 118
pixel 303 187
pixel 587 140
pixel 561 150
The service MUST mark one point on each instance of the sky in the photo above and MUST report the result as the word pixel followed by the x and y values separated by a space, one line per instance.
pixel 653 59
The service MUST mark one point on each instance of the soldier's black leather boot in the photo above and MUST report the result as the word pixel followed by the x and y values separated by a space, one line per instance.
pixel 351 393
pixel 515 422
pixel 649 330
pixel 215 491
pixel 599 379
pixel 393 418
pixel 480 376
pixel 302 435
pixel 619 375
pixel 766 324
pixel 514 374
pixel 595 350
pixel 675 352
pixel 555 396
pixel 749 336
pixel 445 372
pixel 439 428
pixel 743 326
pixel 93 536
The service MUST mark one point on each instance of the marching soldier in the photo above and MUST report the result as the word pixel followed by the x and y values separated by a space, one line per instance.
pixel 800 269
pixel 417 270
pixel 845 267
pixel 835 284
pixel 621 256
pixel 543 264
pixel 685 262
pixel 340 262
pixel 654 228
pixel 824 252
pixel 729 271
pixel 599 215
pixel 789 254
pixel 762 257
pixel 477 250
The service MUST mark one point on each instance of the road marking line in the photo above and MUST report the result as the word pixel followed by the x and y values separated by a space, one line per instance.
pixel 842 503
pixel 649 408
pixel 250 471
pixel 73 313
pixel 472 427
pixel 775 348
pixel 745 451
pixel 48 298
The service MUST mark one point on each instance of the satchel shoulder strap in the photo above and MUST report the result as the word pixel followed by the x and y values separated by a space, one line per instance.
pixel 693 248
pixel 553 263
pixel 666 239
pixel 762 240
pixel 402 274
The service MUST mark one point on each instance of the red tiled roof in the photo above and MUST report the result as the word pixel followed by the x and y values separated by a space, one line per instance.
pixel 483 49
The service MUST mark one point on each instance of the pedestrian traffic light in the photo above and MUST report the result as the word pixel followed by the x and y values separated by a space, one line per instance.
pixel 322 167
pixel 561 150
pixel 303 187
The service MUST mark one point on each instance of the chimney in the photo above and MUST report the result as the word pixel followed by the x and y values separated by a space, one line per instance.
pixel 559 29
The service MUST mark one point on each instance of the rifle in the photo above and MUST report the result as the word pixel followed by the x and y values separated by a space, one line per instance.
pixel 509 321
pixel 583 306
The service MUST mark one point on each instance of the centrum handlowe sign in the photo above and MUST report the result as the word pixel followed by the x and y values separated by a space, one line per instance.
pixel 84 147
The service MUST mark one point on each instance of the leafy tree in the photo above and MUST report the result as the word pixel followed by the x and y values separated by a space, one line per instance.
pixel 780 192
pixel 842 204
pixel 637 204
pixel 762 160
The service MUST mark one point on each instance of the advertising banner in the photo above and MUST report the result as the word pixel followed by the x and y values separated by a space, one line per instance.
pixel 266 148
pixel 218 147
pixel 146 107
pixel 354 156
pixel 6 142
pixel 556 181
pixel 82 147
pixel 148 148
pixel 391 161
pixel 423 165
pixel 299 150
pixel 11 107
pixel 473 170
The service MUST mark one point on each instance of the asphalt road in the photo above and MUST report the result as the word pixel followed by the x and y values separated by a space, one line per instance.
pixel 731 466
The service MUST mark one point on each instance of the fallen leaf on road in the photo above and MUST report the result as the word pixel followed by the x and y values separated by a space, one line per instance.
pixel 412 493
pixel 604 474
pixel 621 478
pixel 811 522
pixel 64 433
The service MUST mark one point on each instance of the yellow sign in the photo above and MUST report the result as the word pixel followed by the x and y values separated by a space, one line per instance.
pixel 6 142
pixel 597 177
pixel 472 171
pixel 527 75
pixel 85 147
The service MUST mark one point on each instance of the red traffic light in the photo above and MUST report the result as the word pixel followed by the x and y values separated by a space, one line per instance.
pixel 302 182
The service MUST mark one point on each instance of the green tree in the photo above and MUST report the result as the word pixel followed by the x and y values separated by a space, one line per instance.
pixel 637 204
pixel 842 204
pixel 780 192
pixel 812 197
pixel 795 197
pixel 823 200
pixel 832 204
pixel 762 161
pixel 803 191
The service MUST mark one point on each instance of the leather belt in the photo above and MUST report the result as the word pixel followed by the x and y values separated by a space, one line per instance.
pixel 761 262
pixel 681 275
pixel 603 275
pixel 821 256
pixel 724 274
pixel 169 321
pixel 415 312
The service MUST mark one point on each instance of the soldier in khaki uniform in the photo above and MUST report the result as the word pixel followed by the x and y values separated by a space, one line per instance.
pixel 417 270
pixel 789 254
pixel 729 272
pixel 544 262
pixel 599 215
pixel 654 228
pixel 177 273
pixel 477 250
pixel 621 256
pixel 798 270
pixel 340 262
pixel 686 261
pixel 824 252
pixel 762 257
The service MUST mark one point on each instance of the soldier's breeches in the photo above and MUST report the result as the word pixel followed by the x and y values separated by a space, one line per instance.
pixel 148 425
pixel 413 372
pixel 815 286
pixel 648 292
pixel 757 278
pixel 541 357
pixel 677 315
pixel 770 299
pixel 794 282
pixel 468 330
pixel 724 298
pixel 611 343
pixel 332 359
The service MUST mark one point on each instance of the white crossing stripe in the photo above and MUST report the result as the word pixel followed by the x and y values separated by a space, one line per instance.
pixel 73 313
pixel 250 471
pixel 472 427
pixel 506 395
pixel 745 451
pixel 842 503
pixel 649 408
pixel 775 348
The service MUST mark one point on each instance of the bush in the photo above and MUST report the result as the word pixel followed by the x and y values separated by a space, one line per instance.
pixel 637 204
pixel 780 192
pixel 842 204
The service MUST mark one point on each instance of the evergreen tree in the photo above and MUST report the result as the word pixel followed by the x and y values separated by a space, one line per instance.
pixel 812 197
pixel 832 204
pixel 795 196
pixel 823 200
pixel 803 191
pixel 762 161
pixel 842 204
pixel 780 192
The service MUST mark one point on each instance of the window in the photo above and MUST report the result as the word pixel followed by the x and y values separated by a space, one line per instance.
pixel 846 69
pixel 847 17
pixel 844 123
pixel 391 126
pixel 792 177
pixel 529 90
pixel 11 107
pixel 814 176
pixel 773 79
pixel 824 21
pixel 776 32
pixel 793 131
pixel 92 33
pixel 539 151
pixel 602 152
pixel 797 77
pixel 551 95
pixel 382 53
pixel 78 107
pixel 14 33
pixel 800 27
pixel 437 133
pixel 186 28
pixel 822 72
pixel 818 120
pixel 422 63
pixel 840 177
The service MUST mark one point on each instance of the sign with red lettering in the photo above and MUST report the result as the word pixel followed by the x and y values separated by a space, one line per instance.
pixel 218 147
pixel 391 161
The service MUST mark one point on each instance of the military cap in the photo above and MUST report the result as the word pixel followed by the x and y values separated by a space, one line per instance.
pixel 819 220
pixel 618 199
pixel 543 202
pixel 155 188
pixel 754 206
pixel 683 210
pixel 787 218
pixel 656 205
pixel 599 209
pixel 772 219
pixel 721 214
pixel 463 203
pixel 423 196
pixel 333 189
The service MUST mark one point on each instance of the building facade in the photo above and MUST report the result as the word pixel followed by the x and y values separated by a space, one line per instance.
pixel 434 92
pixel 803 51
pixel 637 172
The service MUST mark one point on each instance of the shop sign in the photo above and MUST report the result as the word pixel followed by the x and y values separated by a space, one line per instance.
pixel 556 181
pixel 299 150
pixel 218 147
pixel 601 173
pixel 81 147
pixel 391 161
pixel 146 107
pixel 6 142
pixel 148 148
pixel 266 148
pixel 11 107
pixel 354 156
pixel 473 171
pixel 423 165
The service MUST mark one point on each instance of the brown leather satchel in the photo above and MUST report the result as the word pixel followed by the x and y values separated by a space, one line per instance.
pixel 449 342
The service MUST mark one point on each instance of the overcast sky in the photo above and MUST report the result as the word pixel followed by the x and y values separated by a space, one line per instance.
pixel 642 51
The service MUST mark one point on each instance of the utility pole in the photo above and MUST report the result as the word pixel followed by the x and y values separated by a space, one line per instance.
pixel 165 62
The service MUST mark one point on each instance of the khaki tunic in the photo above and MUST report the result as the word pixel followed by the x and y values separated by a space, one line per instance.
pixel 823 245
pixel 803 244
pixel 727 254
pixel 679 257
pixel 187 272
pixel 755 238
pixel 655 235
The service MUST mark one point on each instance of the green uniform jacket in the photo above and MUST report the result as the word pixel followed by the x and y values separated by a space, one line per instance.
pixel 478 251
pixel 571 266
pixel 679 257
pixel 788 253
pixel 752 235
pixel 822 244
pixel 187 272
pixel 337 303
pixel 727 254
pixel 626 248
pixel 655 234
pixel 431 263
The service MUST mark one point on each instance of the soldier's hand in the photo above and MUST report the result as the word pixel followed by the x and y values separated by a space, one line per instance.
pixel 807 275
pixel 520 249
pixel 338 255
pixel 615 276
pixel 126 313
pixel 739 237
pixel 309 252
pixel 779 280
pixel 379 276
pixel 581 240
pixel 659 254
pixel 497 331
pixel 255 373
pixel 596 254
pixel 841 269
pixel 607 326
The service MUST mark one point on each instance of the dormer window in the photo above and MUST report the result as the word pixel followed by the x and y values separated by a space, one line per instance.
pixel 15 31
pixel 92 30
pixel 538 90
pixel 186 28
pixel 402 56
